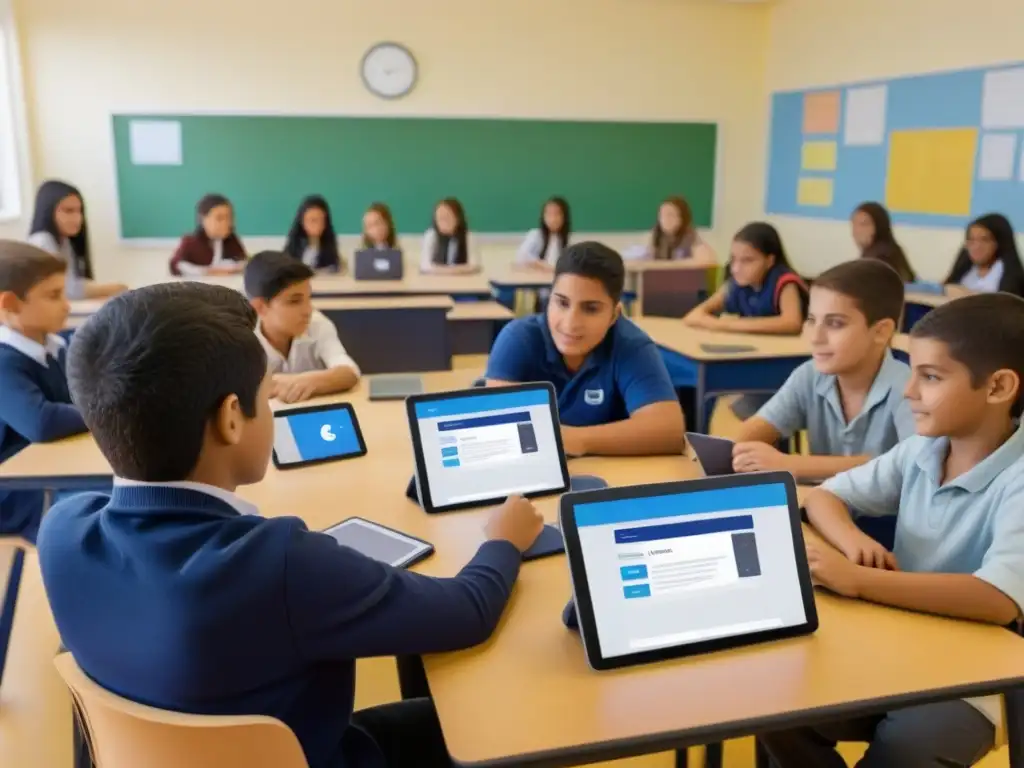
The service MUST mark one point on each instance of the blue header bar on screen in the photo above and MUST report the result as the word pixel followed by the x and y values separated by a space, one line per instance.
pixel 485 421
pixel 695 503
pixel 689 528
pixel 493 400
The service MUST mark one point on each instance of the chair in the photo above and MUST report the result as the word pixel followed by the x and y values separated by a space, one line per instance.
pixel 124 734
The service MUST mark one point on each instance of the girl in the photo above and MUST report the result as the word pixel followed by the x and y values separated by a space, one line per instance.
pixel 989 260
pixel 762 290
pixel 379 228
pixel 311 238
pixel 447 245
pixel 674 236
pixel 213 248
pixel 872 232
pixel 542 246
pixel 59 227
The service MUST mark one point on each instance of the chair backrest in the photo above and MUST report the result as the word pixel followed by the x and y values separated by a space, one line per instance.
pixel 124 734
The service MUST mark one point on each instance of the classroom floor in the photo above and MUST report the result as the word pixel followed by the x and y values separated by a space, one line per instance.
pixel 35 707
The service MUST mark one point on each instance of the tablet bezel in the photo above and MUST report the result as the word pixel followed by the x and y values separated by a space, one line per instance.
pixel 581 587
pixel 417 556
pixel 288 412
pixel 423 481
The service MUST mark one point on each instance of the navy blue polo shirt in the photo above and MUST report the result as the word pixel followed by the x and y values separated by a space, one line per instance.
pixel 623 374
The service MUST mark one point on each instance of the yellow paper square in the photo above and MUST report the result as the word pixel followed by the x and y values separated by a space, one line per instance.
pixel 931 171
pixel 818 156
pixel 816 192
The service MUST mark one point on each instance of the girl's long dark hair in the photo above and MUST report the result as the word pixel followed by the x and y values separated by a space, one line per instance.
pixel 563 234
pixel 295 245
pixel 1006 252
pixel 884 246
pixel 685 226
pixel 763 237
pixel 384 212
pixel 460 234
pixel 49 196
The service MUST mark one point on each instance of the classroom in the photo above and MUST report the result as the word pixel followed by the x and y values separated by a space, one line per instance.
pixel 710 161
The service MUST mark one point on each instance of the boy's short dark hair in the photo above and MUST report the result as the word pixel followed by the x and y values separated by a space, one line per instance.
pixel 270 272
pixel 596 261
pixel 875 286
pixel 23 266
pixel 984 332
pixel 153 365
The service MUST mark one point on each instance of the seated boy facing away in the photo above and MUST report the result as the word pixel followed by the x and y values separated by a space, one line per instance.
pixel 35 405
pixel 849 395
pixel 615 396
pixel 304 354
pixel 174 592
pixel 959 489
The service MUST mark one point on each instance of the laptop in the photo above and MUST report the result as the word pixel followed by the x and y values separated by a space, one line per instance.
pixel 374 264
pixel 713 453
pixel 395 387
pixel 675 569
pixel 477 447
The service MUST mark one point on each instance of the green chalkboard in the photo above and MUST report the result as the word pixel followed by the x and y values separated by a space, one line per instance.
pixel 613 174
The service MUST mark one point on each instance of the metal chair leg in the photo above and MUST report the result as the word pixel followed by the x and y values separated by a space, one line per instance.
pixel 713 755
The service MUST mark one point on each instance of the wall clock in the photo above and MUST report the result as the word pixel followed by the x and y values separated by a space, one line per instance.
pixel 389 70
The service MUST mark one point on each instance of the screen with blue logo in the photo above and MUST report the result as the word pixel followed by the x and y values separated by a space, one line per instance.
pixel 487 445
pixel 313 435
pixel 666 571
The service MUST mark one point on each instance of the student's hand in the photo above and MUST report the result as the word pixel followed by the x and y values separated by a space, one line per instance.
pixel 861 549
pixel 292 388
pixel 702 320
pixel 759 457
pixel 831 570
pixel 573 442
pixel 516 521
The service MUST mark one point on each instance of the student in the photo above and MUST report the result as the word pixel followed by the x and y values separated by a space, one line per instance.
pixel 304 355
pixel 674 236
pixel 311 238
pixel 615 396
pixel 379 228
pixel 187 599
pixel 959 487
pixel 448 246
pixel 213 248
pixel 872 233
pixel 543 246
pixel 989 260
pixel 763 293
pixel 849 395
pixel 35 405
pixel 59 227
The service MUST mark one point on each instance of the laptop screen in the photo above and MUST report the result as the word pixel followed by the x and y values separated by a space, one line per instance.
pixel 489 445
pixel 666 571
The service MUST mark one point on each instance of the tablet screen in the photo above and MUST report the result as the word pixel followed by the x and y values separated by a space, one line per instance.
pixel 317 434
pixel 477 447
pixel 673 570
pixel 378 542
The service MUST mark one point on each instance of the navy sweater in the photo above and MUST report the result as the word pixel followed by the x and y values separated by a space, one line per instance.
pixel 172 598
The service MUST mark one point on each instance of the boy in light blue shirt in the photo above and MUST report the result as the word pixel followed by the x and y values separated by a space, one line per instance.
pixel 849 395
pixel 959 489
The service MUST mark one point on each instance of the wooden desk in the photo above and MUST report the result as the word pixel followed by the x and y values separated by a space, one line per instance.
pixel 413 284
pixel 473 326
pixel 506 284
pixel 669 288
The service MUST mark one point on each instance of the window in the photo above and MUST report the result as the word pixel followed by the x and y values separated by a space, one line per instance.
pixel 12 133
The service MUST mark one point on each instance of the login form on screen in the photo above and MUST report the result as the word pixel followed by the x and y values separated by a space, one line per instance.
pixel 314 435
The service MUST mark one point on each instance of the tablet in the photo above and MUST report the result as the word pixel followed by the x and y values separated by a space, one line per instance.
pixel 389 387
pixel 480 446
pixel 713 453
pixel 379 542
pixel 675 569
pixel 315 434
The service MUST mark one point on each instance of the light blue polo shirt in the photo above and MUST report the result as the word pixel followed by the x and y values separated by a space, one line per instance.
pixel 623 374
pixel 810 400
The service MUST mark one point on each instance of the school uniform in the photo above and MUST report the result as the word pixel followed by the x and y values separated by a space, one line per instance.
pixel 78 272
pixel 987 283
pixel 185 598
pixel 533 249
pixel 197 254
pixel 622 375
pixel 315 258
pixel 318 349
pixel 451 256
pixel 971 525
pixel 35 407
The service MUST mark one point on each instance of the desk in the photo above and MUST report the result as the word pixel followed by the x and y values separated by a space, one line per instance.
pixel 473 326
pixel 917 305
pixel 669 288
pixel 413 284
pixel 514 279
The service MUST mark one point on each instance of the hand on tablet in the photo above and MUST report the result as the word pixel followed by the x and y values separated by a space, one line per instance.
pixel 516 521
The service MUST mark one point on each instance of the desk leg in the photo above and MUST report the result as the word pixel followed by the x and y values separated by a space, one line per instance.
pixel 1014 703
pixel 9 604
pixel 701 417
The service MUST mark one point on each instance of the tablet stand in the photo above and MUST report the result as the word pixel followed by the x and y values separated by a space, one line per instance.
pixel 576 483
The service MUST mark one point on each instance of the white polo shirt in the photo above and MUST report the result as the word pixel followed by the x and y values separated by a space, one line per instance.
pixel 318 349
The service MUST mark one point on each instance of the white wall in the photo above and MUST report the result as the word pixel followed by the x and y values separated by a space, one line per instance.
pixel 630 59
pixel 829 42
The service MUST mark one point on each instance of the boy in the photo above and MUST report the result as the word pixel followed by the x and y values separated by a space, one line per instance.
pixel 849 395
pixel 304 353
pixel 35 405
pixel 615 396
pixel 959 488
pixel 174 592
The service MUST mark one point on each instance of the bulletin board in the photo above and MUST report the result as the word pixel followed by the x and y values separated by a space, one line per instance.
pixel 937 149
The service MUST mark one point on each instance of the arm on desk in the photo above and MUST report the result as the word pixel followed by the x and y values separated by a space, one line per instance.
pixel 790 319
pixel 705 314
pixel 654 430
pixel 25 408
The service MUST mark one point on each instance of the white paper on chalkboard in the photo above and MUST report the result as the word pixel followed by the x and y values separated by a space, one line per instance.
pixel 998 151
pixel 155 142
pixel 865 116
pixel 1002 104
